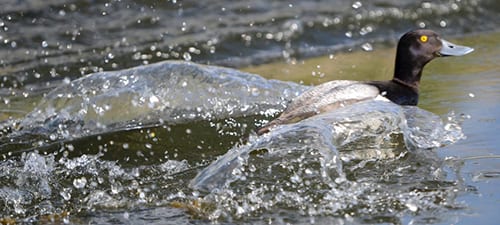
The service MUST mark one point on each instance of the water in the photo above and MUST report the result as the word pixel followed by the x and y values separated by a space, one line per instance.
pixel 148 144
pixel 95 103
pixel 449 84
pixel 63 158
pixel 53 40
pixel 316 167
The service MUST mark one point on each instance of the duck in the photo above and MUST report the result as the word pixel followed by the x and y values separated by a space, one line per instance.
pixel 414 50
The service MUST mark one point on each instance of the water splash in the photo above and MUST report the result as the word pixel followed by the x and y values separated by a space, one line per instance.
pixel 157 100
pixel 170 92
pixel 40 185
pixel 314 166
pixel 363 160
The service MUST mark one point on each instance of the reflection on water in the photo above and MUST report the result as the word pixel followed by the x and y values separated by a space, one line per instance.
pixel 174 141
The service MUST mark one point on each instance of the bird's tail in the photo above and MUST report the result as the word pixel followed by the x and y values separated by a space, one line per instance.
pixel 267 127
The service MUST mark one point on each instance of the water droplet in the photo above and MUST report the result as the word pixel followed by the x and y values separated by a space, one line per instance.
pixel 366 30
pixel 126 215
pixel 66 194
pixel 194 50
pixel 80 183
pixel 240 210
pixel 426 5
pixel 106 84
pixel 367 47
pixel 295 178
pixel 187 56
pixel 153 100
pixel 115 189
pixel 53 137
pixel 255 92
pixel 442 23
pixel 356 5
pixel 412 207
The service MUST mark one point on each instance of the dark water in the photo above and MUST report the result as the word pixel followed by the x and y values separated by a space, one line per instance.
pixel 51 40
pixel 110 149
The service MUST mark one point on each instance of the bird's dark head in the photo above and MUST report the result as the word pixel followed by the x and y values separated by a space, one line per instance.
pixel 418 47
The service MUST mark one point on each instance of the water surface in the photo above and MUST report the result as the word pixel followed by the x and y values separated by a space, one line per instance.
pixel 124 147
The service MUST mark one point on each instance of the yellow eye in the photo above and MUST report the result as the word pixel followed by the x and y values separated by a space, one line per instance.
pixel 423 38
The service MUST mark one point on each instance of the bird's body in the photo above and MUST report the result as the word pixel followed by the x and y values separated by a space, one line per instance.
pixel 415 49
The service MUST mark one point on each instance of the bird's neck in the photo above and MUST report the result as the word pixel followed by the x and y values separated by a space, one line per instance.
pixel 408 71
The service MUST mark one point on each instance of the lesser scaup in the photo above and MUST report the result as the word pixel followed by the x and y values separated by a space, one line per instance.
pixel 415 49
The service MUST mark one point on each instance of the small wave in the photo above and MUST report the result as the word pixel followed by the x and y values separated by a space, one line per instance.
pixel 170 92
pixel 128 33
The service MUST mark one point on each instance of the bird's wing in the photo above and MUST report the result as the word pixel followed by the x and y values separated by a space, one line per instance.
pixel 322 98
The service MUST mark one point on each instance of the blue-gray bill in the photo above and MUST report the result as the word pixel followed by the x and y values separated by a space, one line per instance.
pixel 450 49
